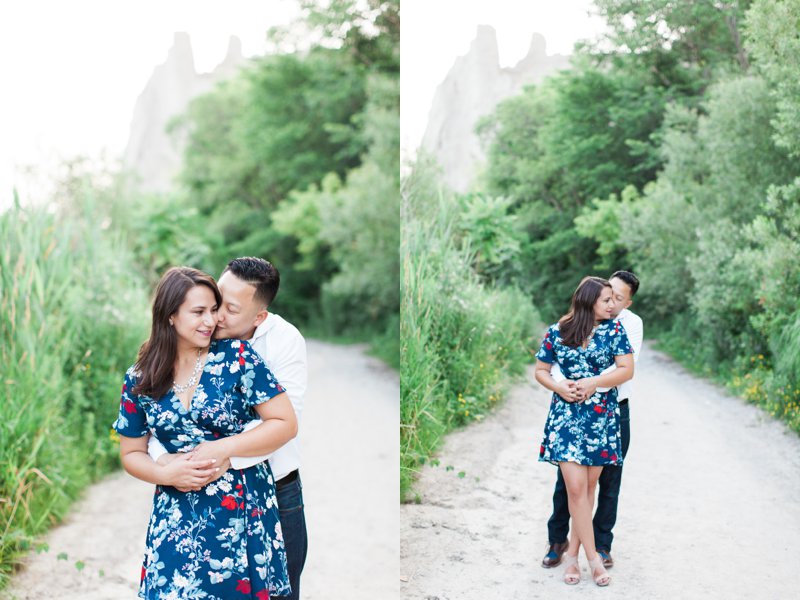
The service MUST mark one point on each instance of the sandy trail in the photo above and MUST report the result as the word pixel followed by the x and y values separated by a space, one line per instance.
pixel 350 447
pixel 709 504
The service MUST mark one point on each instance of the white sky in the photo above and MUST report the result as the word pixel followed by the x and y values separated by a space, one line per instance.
pixel 71 70
pixel 435 32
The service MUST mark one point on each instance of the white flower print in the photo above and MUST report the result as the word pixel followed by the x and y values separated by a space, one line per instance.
pixel 199 544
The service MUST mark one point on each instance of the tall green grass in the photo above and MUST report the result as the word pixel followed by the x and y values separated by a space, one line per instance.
pixel 462 340
pixel 72 314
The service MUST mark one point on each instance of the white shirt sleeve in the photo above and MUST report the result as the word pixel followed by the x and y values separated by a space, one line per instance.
pixel 243 462
pixel 556 373
pixel 155 448
pixel 290 367
pixel 635 330
pixel 288 364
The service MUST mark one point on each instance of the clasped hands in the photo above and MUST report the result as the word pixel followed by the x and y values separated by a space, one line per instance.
pixel 190 471
pixel 577 390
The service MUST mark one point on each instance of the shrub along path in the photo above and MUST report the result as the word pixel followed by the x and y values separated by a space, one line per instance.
pixel 351 452
pixel 709 504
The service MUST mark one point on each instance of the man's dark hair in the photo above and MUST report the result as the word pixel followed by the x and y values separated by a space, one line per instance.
pixel 260 274
pixel 629 278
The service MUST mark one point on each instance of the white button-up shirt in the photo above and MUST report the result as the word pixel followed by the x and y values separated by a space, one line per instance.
pixel 635 329
pixel 283 349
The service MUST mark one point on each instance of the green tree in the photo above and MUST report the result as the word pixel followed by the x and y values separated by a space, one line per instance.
pixel 553 149
pixel 772 38
pixel 684 45
pixel 368 30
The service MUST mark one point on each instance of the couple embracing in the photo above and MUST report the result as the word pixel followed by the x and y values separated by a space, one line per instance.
pixel 587 361
pixel 216 390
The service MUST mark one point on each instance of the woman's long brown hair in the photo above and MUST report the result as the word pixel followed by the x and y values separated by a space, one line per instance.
pixel 157 355
pixel 577 324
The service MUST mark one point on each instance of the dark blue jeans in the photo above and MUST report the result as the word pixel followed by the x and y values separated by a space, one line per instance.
pixel 609 483
pixel 295 536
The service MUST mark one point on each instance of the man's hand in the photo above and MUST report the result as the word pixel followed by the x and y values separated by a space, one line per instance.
pixel 586 387
pixel 568 390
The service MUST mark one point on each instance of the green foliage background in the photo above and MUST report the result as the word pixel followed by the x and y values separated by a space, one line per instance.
pixel 463 334
pixel 669 148
pixel 295 160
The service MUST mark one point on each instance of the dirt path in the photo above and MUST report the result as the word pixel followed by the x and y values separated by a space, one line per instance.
pixel 710 503
pixel 350 451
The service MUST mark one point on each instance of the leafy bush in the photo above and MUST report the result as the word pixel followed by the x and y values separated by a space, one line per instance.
pixel 72 316
pixel 461 338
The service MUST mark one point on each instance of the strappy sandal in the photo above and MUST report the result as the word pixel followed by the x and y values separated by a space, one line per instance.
pixel 603 579
pixel 571 578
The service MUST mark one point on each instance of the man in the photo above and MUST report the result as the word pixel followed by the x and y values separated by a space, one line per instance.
pixel 624 285
pixel 248 286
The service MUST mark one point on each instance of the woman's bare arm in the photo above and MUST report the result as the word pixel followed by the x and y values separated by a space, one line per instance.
pixel 184 471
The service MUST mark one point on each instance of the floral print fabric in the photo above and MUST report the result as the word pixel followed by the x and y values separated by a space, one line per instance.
pixel 585 432
pixel 224 541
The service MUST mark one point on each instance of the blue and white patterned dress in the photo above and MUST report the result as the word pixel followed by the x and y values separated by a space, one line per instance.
pixel 584 432
pixel 225 540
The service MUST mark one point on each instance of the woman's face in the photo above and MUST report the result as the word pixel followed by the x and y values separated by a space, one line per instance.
pixel 604 306
pixel 196 319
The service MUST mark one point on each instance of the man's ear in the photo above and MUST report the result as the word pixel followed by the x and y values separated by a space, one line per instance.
pixel 260 317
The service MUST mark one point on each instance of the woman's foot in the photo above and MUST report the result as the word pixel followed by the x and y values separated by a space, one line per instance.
pixel 599 573
pixel 572 572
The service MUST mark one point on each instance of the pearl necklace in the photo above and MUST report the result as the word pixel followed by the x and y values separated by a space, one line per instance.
pixel 179 389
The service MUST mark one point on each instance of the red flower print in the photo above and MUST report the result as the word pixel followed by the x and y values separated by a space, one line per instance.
pixel 143 572
pixel 548 345
pixel 239 486
pixel 262 595
pixel 124 387
pixel 130 407
pixel 241 505
pixel 257 512
pixel 243 585
pixel 541 450
pixel 241 348
pixel 241 360
pixel 229 502
pixel 280 388
pixel 598 408
pixel 604 453
pixel 613 458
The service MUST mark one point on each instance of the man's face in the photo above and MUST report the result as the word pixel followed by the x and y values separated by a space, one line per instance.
pixel 622 296
pixel 239 314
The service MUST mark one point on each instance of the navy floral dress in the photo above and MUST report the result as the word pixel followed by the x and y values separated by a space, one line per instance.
pixel 584 432
pixel 224 541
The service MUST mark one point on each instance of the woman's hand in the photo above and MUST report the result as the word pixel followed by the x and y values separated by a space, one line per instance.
pixel 586 387
pixel 186 472
pixel 568 390
pixel 222 468
pixel 219 450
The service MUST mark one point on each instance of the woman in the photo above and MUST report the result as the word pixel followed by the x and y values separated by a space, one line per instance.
pixel 581 433
pixel 222 537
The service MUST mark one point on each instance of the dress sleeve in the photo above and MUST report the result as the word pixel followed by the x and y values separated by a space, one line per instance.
pixel 619 341
pixel 546 352
pixel 258 384
pixel 131 421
